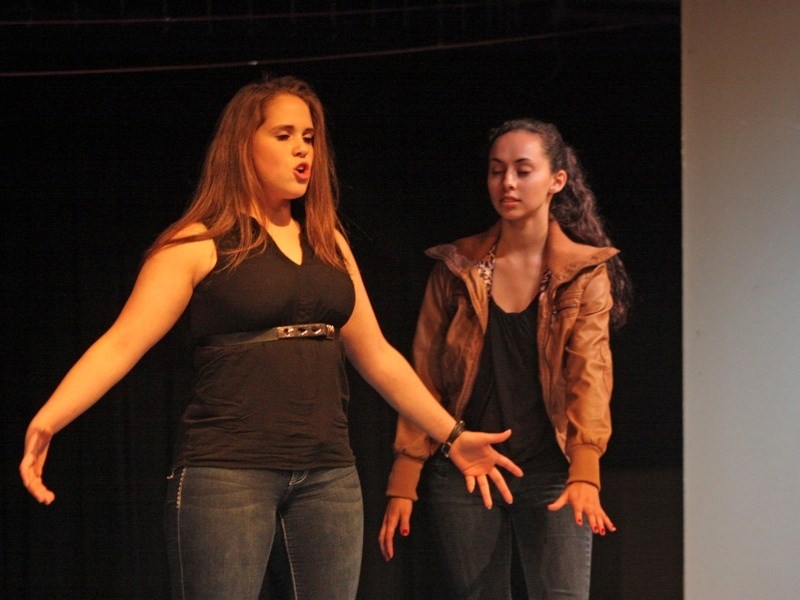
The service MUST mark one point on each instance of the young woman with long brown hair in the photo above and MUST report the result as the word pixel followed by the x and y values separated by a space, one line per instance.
pixel 276 303
pixel 514 331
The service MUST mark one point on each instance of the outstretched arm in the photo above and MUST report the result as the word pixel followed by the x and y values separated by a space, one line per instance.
pixel 386 370
pixel 159 297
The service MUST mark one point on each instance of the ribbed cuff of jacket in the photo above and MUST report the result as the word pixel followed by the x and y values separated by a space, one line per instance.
pixel 584 464
pixel 404 477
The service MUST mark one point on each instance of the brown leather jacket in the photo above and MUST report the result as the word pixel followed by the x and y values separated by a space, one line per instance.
pixel 575 367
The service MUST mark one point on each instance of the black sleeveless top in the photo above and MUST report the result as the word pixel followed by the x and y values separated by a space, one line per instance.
pixel 507 392
pixel 278 404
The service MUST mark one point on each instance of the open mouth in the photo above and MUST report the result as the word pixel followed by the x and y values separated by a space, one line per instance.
pixel 303 171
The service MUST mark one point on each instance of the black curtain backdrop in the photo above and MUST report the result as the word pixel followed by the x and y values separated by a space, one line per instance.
pixel 96 165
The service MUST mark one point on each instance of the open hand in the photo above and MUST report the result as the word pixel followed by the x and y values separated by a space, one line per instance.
pixel 585 501
pixel 474 456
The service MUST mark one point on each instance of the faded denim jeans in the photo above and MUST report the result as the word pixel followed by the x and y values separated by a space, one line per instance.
pixel 475 543
pixel 221 523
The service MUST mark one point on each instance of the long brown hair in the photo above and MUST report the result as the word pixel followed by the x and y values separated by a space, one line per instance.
pixel 575 206
pixel 228 183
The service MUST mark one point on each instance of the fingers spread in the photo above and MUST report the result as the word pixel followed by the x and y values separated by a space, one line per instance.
pixel 559 503
pixel 502 436
pixel 509 465
pixel 502 487
pixel 486 493
pixel 578 515
pixel 609 524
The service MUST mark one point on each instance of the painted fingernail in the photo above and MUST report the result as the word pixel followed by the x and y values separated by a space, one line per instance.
pixel 404 532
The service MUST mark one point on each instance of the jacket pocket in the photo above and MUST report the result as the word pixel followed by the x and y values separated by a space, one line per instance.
pixel 566 306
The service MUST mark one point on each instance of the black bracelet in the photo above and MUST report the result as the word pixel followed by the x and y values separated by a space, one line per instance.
pixel 457 431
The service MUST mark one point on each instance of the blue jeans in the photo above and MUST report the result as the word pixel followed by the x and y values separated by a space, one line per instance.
pixel 220 525
pixel 475 544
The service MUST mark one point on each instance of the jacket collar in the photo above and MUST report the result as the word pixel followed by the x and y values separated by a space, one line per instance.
pixel 563 257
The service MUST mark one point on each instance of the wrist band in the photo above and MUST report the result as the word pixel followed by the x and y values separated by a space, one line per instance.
pixel 457 431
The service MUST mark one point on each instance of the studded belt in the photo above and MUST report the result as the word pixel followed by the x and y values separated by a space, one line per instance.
pixel 281 332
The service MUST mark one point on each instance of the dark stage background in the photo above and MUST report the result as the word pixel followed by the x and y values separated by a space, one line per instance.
pixel 97 163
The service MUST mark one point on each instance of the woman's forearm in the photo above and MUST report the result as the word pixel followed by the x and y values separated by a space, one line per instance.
pixel 392 377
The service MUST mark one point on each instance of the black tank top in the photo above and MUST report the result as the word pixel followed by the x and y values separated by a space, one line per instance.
pixel 276 404
pixel 507 392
